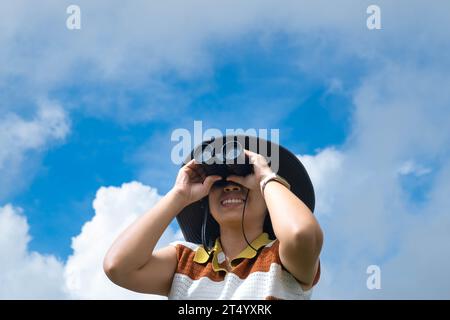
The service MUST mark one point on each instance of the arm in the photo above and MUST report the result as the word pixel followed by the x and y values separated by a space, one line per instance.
pixel 131 261
pixel 298 232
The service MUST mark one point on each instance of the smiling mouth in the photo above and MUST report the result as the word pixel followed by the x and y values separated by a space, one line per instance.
pixel 232 202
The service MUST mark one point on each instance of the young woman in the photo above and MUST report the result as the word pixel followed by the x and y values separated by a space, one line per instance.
pixel 270 253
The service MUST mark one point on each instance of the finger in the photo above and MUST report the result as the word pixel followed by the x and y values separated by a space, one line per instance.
pixel 197 179
pixel 194 175
pixel 188 165
pixel 197 169
pixel 202 171
pixel 251 155
pixel 190 172
pixel 199 173
pixel 192 164
pixel 256 158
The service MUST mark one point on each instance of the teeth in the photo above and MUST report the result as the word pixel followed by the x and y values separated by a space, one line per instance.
pixel 232 201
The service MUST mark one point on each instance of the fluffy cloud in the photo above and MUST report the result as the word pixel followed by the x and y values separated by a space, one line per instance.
pixel 30 275
pixel 143 48
pixel 21 137
pixel 410 167
pixel 25 274
pixel 399 129
pixel 323 169
pixel 115 208
pixel 399 126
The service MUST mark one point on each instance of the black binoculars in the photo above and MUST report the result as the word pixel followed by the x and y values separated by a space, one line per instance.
pixel 223 158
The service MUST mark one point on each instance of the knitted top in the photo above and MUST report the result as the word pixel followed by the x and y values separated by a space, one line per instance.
pixel 251 275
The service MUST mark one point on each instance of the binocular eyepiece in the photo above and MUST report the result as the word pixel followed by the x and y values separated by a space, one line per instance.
pixel 223 159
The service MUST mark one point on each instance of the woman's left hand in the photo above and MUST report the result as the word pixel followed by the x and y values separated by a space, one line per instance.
pixel 261 170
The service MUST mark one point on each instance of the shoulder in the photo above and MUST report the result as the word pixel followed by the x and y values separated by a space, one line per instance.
pixel 273 248
pixel 185 248
pixel 185 244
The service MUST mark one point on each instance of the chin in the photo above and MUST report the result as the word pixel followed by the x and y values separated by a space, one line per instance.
pixel 228 216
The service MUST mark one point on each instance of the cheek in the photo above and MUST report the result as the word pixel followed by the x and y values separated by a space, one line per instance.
pixel 258 205
pixel 212 196
pixel 213 202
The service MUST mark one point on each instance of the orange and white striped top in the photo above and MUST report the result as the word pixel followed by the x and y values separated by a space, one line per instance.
pixel 251 275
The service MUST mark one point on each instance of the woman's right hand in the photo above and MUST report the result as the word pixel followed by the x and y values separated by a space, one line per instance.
pixel 192 184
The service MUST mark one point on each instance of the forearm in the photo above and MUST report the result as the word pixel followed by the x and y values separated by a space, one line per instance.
pixel 291 218
pixel 134 246
pixel 299 234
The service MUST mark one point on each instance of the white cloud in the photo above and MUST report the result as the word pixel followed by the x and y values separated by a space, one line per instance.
pixel 323 169
pixel 410 167
pixel 115 209
pixel 399 120
pixel 20 137
pixel 30 275
pixel 176 38
pixel 25 274
pixel 19 134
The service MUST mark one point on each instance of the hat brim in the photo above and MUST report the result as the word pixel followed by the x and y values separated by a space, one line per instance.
pixel 191 217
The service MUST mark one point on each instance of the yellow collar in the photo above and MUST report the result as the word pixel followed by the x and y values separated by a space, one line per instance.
pixel 218 260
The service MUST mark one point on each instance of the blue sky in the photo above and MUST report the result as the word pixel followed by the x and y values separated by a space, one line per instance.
pixel 83 113
pixel 101 152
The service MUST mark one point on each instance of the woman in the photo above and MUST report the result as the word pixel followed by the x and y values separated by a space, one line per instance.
pixel 270 253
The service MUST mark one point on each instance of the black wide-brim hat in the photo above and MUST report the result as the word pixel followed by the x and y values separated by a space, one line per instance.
pixel 290 168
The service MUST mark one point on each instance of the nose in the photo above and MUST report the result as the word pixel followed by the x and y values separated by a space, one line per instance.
pixel 231 187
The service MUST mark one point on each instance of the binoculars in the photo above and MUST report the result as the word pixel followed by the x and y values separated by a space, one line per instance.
pixel 222 158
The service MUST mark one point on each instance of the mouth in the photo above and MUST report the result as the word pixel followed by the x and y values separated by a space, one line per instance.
pixel 232 202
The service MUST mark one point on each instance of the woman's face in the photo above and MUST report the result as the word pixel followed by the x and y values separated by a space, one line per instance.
pixel 226 203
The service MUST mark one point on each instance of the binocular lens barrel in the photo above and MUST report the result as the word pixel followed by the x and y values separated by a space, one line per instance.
pixel 233 151
pixel 230 160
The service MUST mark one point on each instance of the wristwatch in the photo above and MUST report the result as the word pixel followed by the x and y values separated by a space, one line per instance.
pixel 273 176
